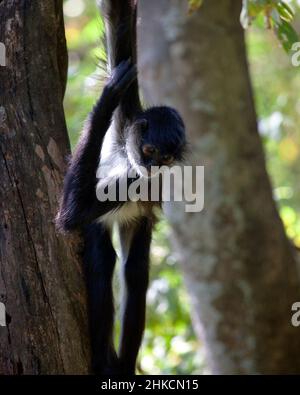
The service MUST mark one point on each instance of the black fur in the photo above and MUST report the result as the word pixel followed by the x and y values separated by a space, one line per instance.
pixel 99 262
pixel 136 271
pixel 79 203
pixel 161 127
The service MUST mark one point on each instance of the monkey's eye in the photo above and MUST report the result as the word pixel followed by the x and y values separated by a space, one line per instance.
pixel 167 159
pixel 143 124
pixel 148 149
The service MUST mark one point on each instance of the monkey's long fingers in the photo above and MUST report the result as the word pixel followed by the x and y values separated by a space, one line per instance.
pixel 127 78
pixel 119 71
pixel 122 77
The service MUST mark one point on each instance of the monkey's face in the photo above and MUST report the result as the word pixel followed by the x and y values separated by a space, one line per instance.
pixel 157 138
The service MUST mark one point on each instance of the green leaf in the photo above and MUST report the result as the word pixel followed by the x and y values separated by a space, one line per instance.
pixel 287 8
pixel 194 5
pixel 286 34
pixel 284 12
pixel 278 15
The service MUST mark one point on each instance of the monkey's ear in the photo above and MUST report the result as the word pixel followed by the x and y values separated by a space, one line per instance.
pixel 142 124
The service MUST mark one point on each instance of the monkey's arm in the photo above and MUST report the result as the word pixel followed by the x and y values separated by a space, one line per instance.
pixel 79 205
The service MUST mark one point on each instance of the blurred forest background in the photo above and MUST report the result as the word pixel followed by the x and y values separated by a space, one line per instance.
pixel 170 346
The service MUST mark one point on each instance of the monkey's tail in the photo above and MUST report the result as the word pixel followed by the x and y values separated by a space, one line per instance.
pixel 120 18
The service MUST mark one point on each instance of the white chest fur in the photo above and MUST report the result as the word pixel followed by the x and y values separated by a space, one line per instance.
pixel 113 165
pixel 127 213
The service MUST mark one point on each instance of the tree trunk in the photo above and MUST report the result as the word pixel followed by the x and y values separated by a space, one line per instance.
pixel 238 265
pixel 41 282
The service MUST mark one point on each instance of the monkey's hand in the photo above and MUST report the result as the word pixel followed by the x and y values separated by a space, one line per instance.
pixel 121 78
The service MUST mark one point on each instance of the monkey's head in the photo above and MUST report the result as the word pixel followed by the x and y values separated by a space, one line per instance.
pixel 156 138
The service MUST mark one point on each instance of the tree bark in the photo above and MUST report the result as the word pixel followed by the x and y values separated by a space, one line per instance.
pixel 41 282
pixel 239 266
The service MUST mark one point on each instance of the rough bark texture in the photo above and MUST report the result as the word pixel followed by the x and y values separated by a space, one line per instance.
pixel 238 264
pixel 41 282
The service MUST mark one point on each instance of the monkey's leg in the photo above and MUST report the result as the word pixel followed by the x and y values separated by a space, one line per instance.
pixel 136 273
pixel 99 261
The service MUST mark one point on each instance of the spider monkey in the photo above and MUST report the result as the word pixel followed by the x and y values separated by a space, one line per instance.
pixel 118 131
